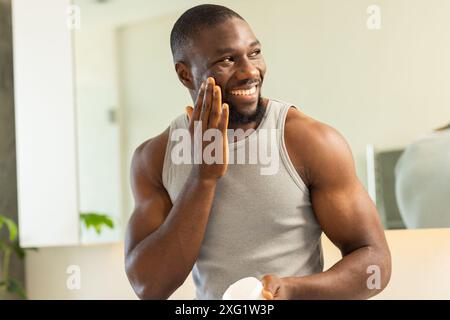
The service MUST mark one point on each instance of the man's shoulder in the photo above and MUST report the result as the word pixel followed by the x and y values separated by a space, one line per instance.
pixel 308 132
pixel 312 144
pixel 152 147
pixel 149 155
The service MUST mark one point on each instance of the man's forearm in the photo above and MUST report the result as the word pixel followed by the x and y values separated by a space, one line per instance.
pixel 163 260
pixel 347 279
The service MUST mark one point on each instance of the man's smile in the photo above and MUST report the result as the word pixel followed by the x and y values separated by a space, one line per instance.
pixel 246 94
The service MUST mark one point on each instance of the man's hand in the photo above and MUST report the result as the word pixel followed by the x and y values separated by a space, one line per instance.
pixel 213 115
pixel 275 288
pixel 161 231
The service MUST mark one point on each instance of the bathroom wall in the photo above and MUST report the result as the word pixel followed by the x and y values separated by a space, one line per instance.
pixel 98 128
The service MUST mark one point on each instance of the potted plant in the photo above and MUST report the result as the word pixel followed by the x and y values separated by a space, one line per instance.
pixel 9 245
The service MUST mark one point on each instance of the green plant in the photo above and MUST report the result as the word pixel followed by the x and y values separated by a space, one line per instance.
pixel 96 221
pixel 8 246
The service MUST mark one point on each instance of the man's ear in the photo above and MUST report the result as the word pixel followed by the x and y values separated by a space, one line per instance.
pixel 185 75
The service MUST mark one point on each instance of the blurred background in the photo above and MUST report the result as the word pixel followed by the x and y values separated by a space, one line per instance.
pixel 84 82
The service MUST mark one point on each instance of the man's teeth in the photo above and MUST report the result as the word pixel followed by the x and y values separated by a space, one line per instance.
pixel 244 92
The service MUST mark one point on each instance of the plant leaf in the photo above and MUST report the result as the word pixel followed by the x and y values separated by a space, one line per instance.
pixel 14 286
pixel 12 227
pixel 20 252
pixel 5 246
pixel 96 221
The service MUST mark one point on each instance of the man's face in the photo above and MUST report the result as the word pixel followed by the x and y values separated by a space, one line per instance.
pixel 231 54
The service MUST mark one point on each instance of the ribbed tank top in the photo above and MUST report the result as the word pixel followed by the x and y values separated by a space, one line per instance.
pixel 259 223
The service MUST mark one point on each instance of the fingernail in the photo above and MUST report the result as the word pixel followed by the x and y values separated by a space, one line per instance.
pixel 267 294
pixel 210 80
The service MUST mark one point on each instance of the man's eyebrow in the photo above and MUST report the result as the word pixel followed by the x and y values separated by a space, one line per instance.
pixel 221 51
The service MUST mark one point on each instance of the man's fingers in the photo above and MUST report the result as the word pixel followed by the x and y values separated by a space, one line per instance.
pixel 189 112
pixel 195 115
pixel 270 284
pixel 223 123
pixel 267 294
pixel 216 108
pixel 199 102
pixel 207 102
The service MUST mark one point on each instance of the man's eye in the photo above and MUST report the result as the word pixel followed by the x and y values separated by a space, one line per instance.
pixel 255 53
pixel 227 59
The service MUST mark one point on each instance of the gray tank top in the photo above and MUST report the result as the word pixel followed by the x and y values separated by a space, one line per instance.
pixel 259 223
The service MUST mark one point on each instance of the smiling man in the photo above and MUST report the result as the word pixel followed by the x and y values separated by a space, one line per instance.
pixel 226 221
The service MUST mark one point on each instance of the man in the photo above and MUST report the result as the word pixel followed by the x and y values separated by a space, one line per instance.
pixel 422 181
pixel 228 221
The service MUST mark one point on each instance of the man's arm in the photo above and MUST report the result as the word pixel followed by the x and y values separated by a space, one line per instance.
pixel 345 212
pixel 163 240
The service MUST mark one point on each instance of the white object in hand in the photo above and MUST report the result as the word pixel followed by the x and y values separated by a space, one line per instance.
pixel 248 288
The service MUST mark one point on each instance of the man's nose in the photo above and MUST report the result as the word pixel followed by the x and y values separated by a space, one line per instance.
pixel 247 70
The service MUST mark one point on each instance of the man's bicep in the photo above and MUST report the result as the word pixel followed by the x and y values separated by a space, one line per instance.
pixel 347 216
pixel 152 203
pixel 147 217
pixel 342 206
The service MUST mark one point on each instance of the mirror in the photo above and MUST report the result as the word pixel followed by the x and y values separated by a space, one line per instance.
pixel 379 79
pixel 97 108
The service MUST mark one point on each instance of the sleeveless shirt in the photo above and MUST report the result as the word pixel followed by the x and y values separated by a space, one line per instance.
pixel 261 220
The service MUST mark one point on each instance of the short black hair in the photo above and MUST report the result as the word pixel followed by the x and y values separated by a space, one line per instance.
pixel 191 21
